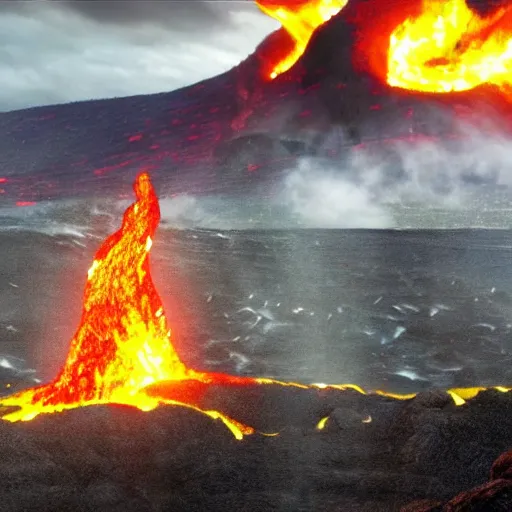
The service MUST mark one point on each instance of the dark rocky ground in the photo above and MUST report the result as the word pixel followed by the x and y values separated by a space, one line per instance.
pixel 415 455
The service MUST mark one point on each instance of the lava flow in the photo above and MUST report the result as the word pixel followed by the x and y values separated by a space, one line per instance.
pixel 445 46
pixel 449 47
pixel 300 19
pixel 123 342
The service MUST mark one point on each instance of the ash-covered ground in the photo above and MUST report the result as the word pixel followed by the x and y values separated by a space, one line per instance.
pixel 373 454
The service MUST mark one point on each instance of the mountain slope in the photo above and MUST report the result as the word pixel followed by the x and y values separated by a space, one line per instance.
pixel 233 132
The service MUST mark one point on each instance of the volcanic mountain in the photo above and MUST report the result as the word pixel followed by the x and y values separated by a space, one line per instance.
pixel 298 447
pixel 237 131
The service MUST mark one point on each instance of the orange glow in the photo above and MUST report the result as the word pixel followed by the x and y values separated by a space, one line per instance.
pixel 449 47
pixel 300 19
pixel 434 46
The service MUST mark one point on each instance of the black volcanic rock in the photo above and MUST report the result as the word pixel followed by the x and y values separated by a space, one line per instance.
pixel 493 496
pixel 103 458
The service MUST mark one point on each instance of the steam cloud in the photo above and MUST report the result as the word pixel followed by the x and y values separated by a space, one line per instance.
pixel 375 190
pixel 359 193
pixel 463 184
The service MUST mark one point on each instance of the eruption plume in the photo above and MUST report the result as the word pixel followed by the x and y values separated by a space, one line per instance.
pixel 435 46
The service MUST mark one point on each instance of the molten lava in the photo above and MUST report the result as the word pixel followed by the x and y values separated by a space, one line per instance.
pixel 445 47
pixel 123 343
pixel 449 47
pixel 300 19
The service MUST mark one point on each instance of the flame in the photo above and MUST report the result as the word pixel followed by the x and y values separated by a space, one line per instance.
pixel 123 343
pixel 449 47
pixel 300 19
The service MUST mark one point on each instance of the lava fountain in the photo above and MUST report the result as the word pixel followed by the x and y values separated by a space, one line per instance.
pixel 123 343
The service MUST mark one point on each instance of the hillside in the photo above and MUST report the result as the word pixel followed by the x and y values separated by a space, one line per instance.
pixel 233 132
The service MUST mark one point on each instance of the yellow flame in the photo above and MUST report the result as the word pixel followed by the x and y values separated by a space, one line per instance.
pixel 451 48
pixel 321 424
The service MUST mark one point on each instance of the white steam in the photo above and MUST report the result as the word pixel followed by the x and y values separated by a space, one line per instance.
pixel 420 184
pixel 376 188
pixel 319 196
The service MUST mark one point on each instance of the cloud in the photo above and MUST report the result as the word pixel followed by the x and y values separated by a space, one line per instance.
pixel 174 15
pixel 55 52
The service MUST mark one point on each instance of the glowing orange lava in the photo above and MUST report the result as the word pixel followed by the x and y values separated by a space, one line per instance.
pixel 435 46
pixel 449 47
pixel 123 343
pixel 300 19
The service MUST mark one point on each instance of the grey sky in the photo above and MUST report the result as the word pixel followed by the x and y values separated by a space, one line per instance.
pixel 57 51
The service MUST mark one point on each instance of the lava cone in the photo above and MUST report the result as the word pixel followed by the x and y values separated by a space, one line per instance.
pixel 123 342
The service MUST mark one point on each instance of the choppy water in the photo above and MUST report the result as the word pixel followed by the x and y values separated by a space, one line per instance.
pixel 400 310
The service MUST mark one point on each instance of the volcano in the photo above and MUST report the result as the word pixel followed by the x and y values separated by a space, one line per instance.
pixel 326 71
pixel 125 424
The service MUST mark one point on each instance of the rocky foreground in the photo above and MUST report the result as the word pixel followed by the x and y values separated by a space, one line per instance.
pixel 372 453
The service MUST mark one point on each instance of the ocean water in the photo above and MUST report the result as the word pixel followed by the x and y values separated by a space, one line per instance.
pixel 256 289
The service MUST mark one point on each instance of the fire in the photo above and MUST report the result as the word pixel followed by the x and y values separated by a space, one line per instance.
pixel 123 343
pixel 449 47
pixel 435 46
pixel 300 19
